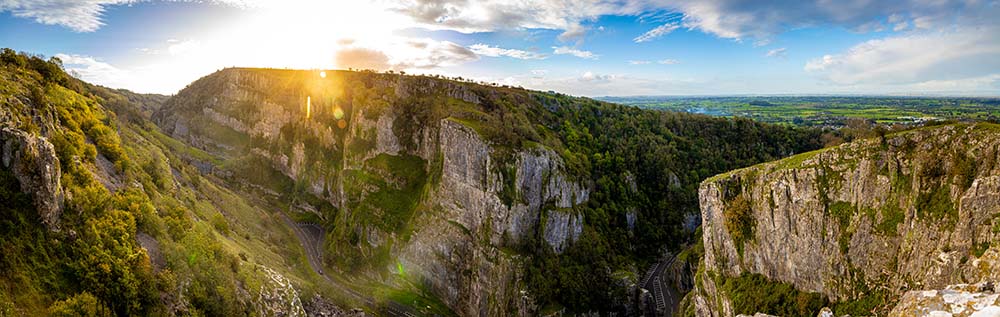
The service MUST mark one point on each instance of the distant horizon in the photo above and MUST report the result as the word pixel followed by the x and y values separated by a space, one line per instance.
pixel 602 97
pixel 889 95
pixel 592 48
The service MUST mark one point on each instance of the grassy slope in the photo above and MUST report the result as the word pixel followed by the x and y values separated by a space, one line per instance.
pixel 210 236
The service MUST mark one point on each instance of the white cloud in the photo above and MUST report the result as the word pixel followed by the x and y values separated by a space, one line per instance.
pixel 182 47
pixel 656 32
pixel 778 52
pixel 77 15
pixel 92 70
pixel 913 58
pixel 638 62
pixel 596 84
pixel 493 51
pixel 590 76
pixel 491 15
pixel 565 50
pixel 736 19
pixel 573 32
pixel 361 58
pixel 668 61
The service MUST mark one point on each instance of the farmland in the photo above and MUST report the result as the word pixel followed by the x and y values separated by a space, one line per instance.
pixel 826 110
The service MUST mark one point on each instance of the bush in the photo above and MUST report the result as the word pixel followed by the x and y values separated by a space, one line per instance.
pixel 892 215
pixel 755 293
pixel 739 221
pixel 109 144
pixel 80 305
pixel 937 205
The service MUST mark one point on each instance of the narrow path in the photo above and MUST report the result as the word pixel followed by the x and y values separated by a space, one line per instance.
pixel 311 239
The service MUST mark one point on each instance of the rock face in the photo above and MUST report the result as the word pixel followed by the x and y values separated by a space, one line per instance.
pixel 960 300
pixel 277 297
pixel 471 199
pixel 34 163
pixel 911 210
pixel 475 222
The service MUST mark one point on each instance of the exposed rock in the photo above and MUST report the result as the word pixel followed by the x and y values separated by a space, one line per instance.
pixel 959 300
pixel 480 203
pixel 825 312
pixel 905 212
pixel 153 250
pixel 562 228
pixel 277 296
pixel 318 306
pixel 470 195
pixel 34 163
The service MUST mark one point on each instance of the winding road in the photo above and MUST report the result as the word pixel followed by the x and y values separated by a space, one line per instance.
pixel 665 297
pixel 311 238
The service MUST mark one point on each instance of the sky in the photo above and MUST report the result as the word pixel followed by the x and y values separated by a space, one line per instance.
pixel 577 47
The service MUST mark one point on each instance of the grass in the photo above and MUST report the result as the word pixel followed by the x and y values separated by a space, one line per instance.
pixel 474 125
pixel 892 216
pixel 937 205
pixel 843 212
pixel 755 293
pixel 383 197
pixel 978 249
pixel 396 199
pixel 797 160
pixel 173 145
pixel 739 221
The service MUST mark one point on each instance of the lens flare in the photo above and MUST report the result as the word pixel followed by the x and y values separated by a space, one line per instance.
pixel 338 113
pixel 322 74
pixel 308 106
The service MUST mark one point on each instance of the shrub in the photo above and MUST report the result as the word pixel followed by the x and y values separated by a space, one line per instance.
pixel 739 221
pixel 755 293
pixel 109 144
pixel 892 215
pixel 80 305
pixel 937 205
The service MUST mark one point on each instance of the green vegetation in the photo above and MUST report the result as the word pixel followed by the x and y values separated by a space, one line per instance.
pixel 892 216
pixel 739 221
pixel 95 265
pixel 755 293
pixel 384 195
pixel 827 111
pixel 662 155
pixel 843 212
pixel 978 249
pixel 937 205
pixel 866 300
pixel 80 305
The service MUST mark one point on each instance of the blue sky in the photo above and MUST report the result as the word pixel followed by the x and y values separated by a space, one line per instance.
pixel 583 47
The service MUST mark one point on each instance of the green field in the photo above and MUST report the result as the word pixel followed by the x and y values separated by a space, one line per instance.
pixel 826 110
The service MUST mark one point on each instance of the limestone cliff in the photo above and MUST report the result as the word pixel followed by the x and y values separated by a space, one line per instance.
pixel 416 190
pixel 862 222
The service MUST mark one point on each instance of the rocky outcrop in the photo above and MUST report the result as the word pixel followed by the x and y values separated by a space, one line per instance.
pixel 476 221
pixel 561 228
pixel 916 209
pixel 34 163
pixel 961 300
pixel 277 296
